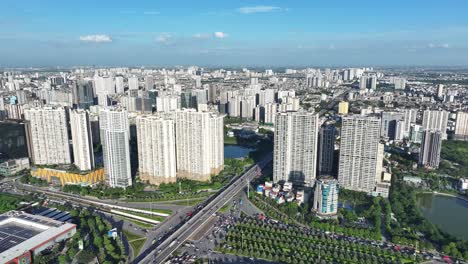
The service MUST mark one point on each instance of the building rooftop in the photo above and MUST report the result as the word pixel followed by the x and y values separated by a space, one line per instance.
pixel 21 232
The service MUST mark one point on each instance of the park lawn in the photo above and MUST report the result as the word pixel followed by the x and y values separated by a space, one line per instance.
pixel 225 208
pixel 135 241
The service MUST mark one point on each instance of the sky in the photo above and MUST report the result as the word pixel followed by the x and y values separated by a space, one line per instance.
pixel 233 33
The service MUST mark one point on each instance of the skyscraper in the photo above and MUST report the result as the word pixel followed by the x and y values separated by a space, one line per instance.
pixel 436 120
pixel 461 127
pixel 431 145
pixel 389 124
pixel 133 83
pixel 82 141
pixel 358 152
pixel 48 135
pixel 326 197
pixel 199 144
pixel 295 148
pixel 326 149
pixel 156 149
pixel 114 128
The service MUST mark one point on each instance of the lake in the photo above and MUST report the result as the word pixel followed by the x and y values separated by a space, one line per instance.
pixel 233 151
pixel 450 214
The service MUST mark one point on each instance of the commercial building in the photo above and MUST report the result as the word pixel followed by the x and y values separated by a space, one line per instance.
pixel 23 236
pixel 48 135
pixel 114 130
pixel 358 153
pixel 199 144
pixel 436 120
pixel 295 148
pixel 82 141
pixel 64 178
pixel 461 127
pixel 13 166
pixel 326 149
pixel 156 149
pixel 326 197
pixel 431 145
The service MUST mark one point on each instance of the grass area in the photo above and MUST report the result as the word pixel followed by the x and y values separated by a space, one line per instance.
pixel 225 208
pixel 9 202
pixel 135 241
pixel 136 222
pixel 189 202
pixel 230 140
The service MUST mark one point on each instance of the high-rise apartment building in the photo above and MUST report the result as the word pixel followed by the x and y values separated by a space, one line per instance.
pixel 82 141
pixel 436 120
pixel 326 149
pixel 295 147
pixel 199 144
pixel 326 197
pixel 431 145
pixel 156 149
pixel 343 108
pixel 48 135
pixel 114 128
pixel 167 103
pixel 358 152
pixel 133 83
pixel 389 124
pixel 461 127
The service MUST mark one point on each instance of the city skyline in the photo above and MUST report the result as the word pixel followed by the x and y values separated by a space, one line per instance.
pixel 208 33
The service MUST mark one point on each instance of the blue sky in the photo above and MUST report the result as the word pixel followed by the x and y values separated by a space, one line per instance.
pixel 233 33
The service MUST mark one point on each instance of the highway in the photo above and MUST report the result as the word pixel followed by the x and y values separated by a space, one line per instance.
pixel 159 252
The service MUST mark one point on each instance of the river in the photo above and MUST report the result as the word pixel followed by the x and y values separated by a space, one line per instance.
pixel 450 214
pixel 233 151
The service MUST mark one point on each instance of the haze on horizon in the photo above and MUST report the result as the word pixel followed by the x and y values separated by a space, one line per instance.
pixel 234 33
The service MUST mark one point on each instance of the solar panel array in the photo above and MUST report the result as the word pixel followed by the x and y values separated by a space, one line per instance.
pixel 12 234
pixel 39 220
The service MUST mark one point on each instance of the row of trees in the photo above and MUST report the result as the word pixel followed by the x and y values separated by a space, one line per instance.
pixel 301 214
pixel 252 237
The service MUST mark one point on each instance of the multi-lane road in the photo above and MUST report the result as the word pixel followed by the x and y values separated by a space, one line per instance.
pixel 163 249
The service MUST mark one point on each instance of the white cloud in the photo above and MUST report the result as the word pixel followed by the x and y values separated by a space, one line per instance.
pixel 201 36
pixel 260 9
pixel 164 38
pixel 220 35
pixel 151 13
pixel 96 38
pixel 440 46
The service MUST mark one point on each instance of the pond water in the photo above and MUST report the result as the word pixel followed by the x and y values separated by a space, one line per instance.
pixel 450 214
pixel 234 151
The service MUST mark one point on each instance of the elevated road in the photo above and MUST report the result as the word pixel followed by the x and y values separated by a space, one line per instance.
pixel 161 250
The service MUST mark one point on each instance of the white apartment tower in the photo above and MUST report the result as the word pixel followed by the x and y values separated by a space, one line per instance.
pixel 295 148
pixel 199 144
pixel 82 140
pixel 359 153
pixel 436 120
pixel 114 130
pixel 48 135
pixel 156 149
pixel 461 127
